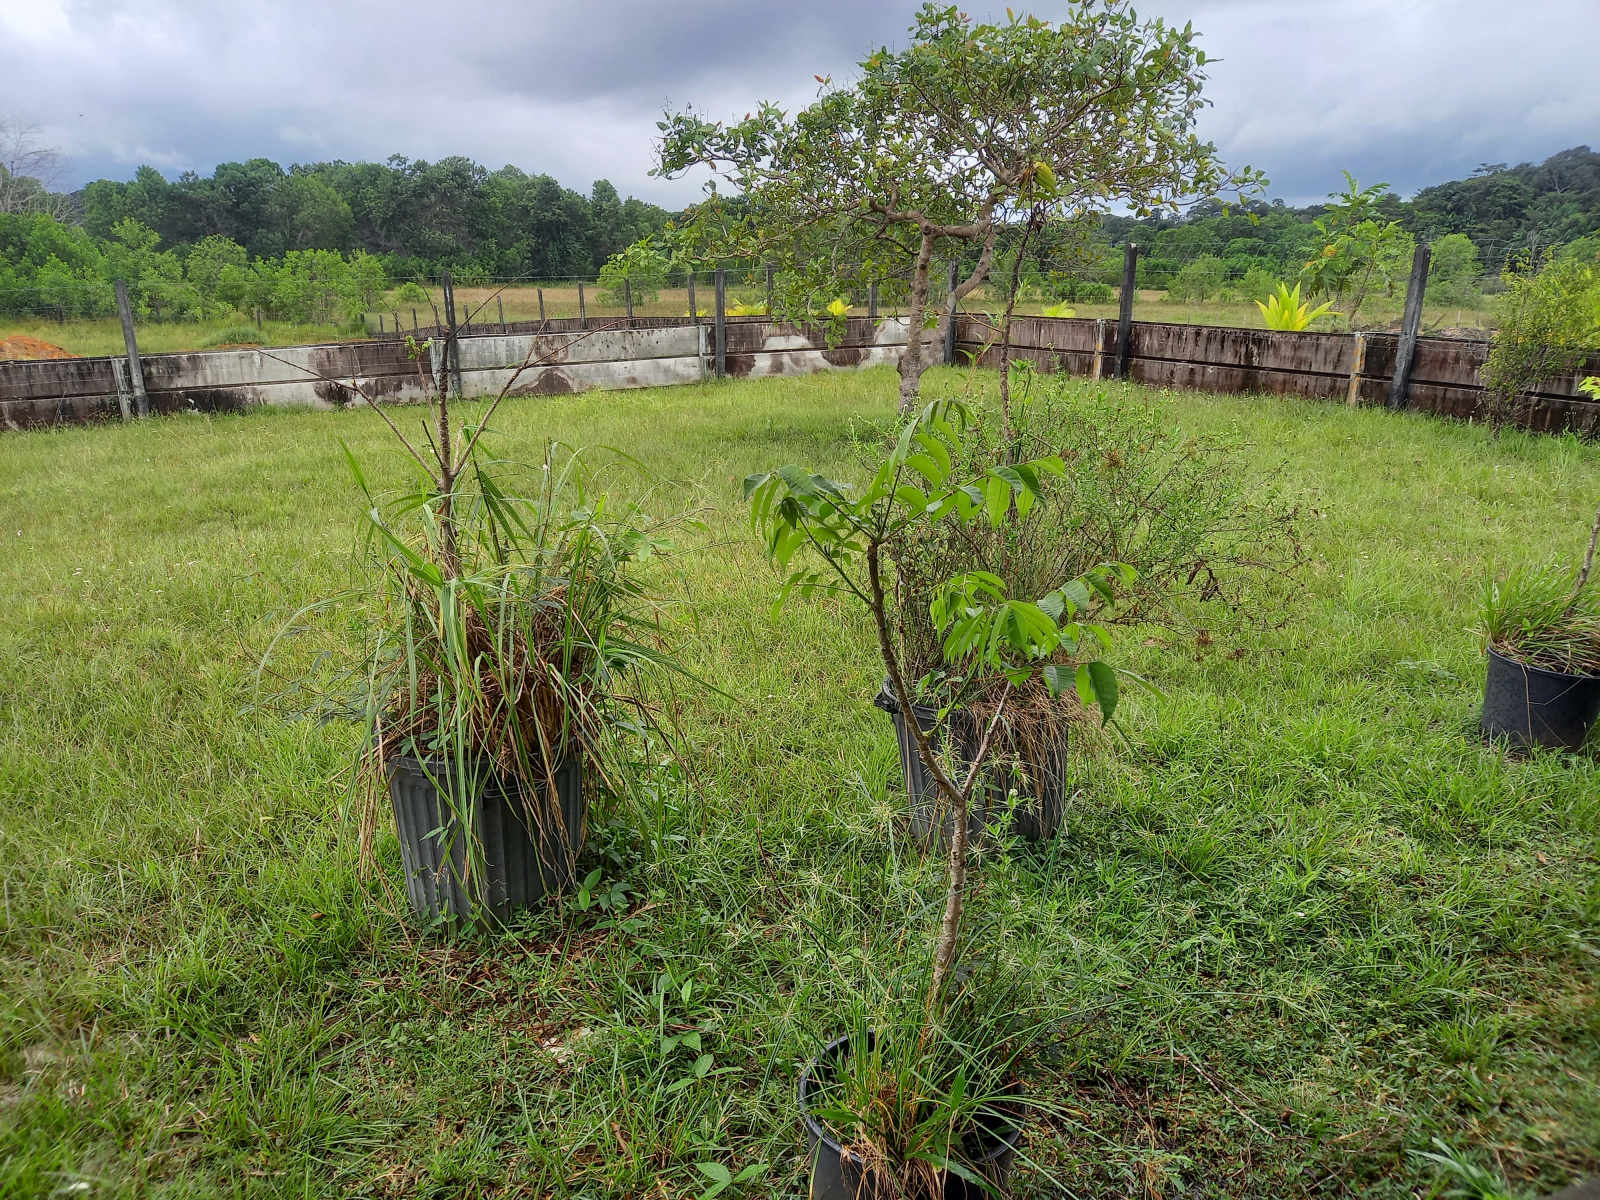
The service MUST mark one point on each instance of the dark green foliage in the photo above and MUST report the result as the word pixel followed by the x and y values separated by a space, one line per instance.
pixel 419 217
pixel 1525 207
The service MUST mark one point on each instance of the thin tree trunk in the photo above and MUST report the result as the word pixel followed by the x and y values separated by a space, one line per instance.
pixel 911 359
pixel 1005 332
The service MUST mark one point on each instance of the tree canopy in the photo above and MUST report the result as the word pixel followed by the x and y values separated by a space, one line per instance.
pixel 418 217
pixel 938 147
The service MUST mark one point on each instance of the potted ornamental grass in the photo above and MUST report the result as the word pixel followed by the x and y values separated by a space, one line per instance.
pixel 925 1103
pixel 1541 628
pixel 505 633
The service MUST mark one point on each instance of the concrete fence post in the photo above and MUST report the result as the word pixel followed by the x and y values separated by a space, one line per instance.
pixel 583 311
pixel 1130 283
pixel 721 280
pixel 627 298
pixel 1411 323
pixel 694 313
pixel 950 332
pixel 1358 364
pixel 141 399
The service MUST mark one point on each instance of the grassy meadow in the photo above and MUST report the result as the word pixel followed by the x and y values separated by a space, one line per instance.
pixel 1307 921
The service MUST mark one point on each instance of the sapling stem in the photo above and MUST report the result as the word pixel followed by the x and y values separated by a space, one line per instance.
pixel 1588 563
pixel 958 797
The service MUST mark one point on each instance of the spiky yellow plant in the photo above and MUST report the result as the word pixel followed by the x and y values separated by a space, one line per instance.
pixel 1285 311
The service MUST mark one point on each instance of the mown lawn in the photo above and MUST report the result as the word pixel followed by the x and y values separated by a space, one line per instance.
pixel 1311 922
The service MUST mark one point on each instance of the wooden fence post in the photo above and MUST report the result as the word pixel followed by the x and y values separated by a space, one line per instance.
pixel 583 311
pixel 1099 349
pixel 500 308
pixel 452 362
pixel 141 398
pixel 541 303
pixel 627 298
pixel 769 289
pixel 1130 281
pixel 1357 365
pixel 950 333
pixel 721 278
pixel 1406 352
pixel 694 311
pixel 872 301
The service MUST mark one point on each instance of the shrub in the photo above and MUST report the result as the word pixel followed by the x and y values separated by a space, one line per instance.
pixel 1183 512
pixel 641 267
pixel 236 335
pixel 1198 281
pixel 1081 291
pixel 1454 272
pixel 1257 283
pixel 1547 328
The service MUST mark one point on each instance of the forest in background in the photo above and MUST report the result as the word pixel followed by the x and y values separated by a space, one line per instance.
pixel 318 242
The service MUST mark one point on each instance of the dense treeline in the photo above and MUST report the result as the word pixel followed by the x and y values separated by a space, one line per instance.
pixel 318 243
pixel 416 217
pixel 310 244
pixel 1507 214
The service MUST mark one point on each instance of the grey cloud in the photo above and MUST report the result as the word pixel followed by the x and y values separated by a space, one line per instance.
pixel 1412 92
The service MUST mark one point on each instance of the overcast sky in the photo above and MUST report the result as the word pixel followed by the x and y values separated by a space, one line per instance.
pixel 1408 91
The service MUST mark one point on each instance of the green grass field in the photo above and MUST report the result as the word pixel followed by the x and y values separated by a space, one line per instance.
pixel 1312 921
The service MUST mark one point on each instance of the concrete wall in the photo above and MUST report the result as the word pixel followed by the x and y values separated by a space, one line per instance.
pixel 556 357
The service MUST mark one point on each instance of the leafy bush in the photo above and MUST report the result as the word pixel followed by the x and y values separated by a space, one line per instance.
pixel 1548 327
pixel 1257 283
pixel 1081 291
pixel 236 335
pixel 1198 281
pixel 1183 512
pixel 1454 272
pixel 641 267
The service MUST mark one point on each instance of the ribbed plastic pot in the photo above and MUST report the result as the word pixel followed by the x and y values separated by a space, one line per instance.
pixel 1043 800
pixel 836 1173
pixel 1532 706
pixel 529 850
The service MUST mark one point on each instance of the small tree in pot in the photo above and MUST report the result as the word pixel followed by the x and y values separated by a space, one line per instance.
pixel 897 1098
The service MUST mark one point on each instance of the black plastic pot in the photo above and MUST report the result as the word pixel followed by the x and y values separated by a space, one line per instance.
pixel 529 849
pixel 836 1173
pixel 1530 706
pixel 1037 817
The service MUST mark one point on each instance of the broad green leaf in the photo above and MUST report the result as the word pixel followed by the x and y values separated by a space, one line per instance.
pixel 936 450
pixel 1105 688
pixel 1056 679
pixel 925 466
pixel 997 499
pixel 911 498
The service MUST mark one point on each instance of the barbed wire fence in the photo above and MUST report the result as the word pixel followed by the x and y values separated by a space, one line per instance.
pixel 1194 280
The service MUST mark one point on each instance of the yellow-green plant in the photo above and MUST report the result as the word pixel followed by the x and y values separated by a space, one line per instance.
pixel 1062 309
pixel 747 310
pixel 1284 310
